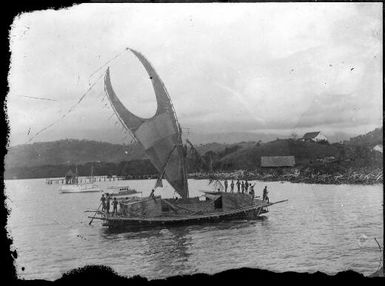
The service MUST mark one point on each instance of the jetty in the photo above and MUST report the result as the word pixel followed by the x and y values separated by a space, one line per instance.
pixel 62 180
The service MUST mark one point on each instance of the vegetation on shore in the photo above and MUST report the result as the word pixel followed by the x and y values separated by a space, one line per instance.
pixel 353 162
pixel 309 175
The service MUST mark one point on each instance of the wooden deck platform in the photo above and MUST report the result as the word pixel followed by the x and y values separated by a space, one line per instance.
pixel 251 212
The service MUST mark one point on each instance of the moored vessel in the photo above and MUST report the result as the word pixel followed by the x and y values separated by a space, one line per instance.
pixel 72 185
pixel 80 188
pixel 121 192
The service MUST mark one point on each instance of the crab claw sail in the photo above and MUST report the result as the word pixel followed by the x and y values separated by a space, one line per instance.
pixel 160 135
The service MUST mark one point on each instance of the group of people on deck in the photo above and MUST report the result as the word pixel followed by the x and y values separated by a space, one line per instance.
pixel 106 200
pixel 244 187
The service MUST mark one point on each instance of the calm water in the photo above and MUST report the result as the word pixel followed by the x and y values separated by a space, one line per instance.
pixel 322 227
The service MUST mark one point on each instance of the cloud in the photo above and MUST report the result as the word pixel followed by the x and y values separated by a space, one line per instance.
pixel 229 67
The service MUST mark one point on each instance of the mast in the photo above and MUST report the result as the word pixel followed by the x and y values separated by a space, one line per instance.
pixel 184 172
pixel 92 173
pixel 203 164
pixel 76 175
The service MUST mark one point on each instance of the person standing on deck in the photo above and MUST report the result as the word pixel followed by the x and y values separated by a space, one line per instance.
pixel 243 187
pixel 264 196
pixel 115 204
pixel 232 185
pixel 252 191
pixel 238 185
pixel 108 203
pixel 152 193
pixel 103 200
pixel 226 185
pixel 246 186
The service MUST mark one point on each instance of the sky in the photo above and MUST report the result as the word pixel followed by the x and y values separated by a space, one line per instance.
pixel 239 67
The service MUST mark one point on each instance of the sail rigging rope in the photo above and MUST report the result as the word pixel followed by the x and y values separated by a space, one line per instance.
pixel 41 98
pixel 68 111
pixel 109 61
pixel 81 98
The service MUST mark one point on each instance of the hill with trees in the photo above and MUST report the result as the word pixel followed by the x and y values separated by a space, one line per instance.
pixel 70 151
pixel 369 139
pixel 53 159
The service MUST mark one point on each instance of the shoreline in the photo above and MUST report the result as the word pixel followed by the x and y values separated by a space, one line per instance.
pixel 305 181
pixel 353 178
pixel 305 176
pixel 281 180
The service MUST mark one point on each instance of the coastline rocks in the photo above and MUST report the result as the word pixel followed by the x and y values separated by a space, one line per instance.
pixel 364 176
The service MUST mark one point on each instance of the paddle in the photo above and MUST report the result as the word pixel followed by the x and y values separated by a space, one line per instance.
pixel 95 214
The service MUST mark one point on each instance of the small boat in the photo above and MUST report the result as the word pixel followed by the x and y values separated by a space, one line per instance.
pixel 71 184
pixel 120 192
pixel 80 188
pixel 161 139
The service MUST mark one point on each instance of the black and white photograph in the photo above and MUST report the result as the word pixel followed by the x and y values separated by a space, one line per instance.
pixel 170 139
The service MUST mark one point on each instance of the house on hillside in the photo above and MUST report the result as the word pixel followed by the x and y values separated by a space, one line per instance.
pixel 314 137
pixel 277 161
pixel 378 148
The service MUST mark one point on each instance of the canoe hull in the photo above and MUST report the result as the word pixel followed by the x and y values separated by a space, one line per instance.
pixel 134 223
pixel 80 189
pixel 155 211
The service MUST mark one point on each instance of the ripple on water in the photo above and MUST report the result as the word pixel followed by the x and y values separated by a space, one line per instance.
pixel 321 228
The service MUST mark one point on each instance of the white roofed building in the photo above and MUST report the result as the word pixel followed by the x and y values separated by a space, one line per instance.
pixel 314 136
pixel 378 148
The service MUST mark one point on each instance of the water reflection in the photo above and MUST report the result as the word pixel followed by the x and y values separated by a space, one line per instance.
pixel 264 221
pixel 325 235
pixel 136 233
pixel 171 248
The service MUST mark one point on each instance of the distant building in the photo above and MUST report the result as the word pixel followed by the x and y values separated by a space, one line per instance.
pixel 277 161
pixel 314 136
pixel 378 148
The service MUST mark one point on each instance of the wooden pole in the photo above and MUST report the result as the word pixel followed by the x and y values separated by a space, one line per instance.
pixel 270 204
pixel 95 214
pixel 259 210
pixel 171 206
